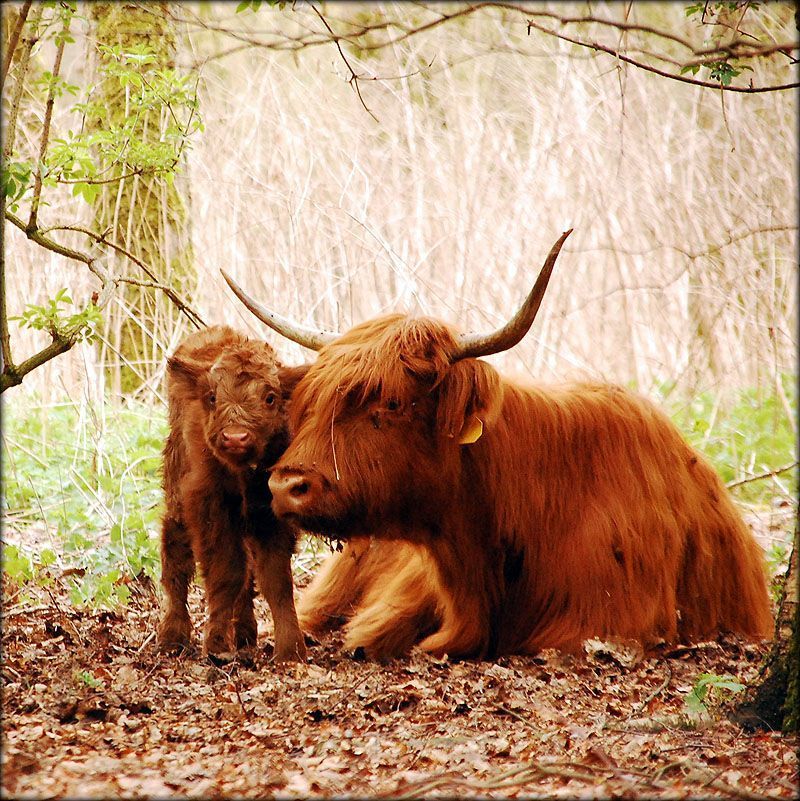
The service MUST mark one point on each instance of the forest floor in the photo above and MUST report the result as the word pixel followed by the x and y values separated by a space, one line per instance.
pixel 91 709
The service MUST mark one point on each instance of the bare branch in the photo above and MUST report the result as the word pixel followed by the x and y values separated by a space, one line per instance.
pixel 12 374
pixel 62 341
pixel 738 48
pixel 102 239
pixel 682 78
pixel 48 116
pixel 8 149
pixel 353 77
pixel 760 476
pixel 11 120
pixel 137 171
pixel 50 244
pixel 14 40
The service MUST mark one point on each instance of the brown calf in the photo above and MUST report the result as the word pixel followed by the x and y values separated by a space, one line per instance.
pixel 227 397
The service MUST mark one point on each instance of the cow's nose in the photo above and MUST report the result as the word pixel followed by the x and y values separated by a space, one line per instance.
pixel 294 493
pixel 236 438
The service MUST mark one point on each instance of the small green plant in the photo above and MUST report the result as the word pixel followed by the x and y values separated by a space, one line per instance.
pixel 85 678
pixel 17 564
pixel 710 689
pixel 15 179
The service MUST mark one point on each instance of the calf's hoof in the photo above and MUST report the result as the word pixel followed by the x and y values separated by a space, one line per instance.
pixel 246 638
pixel 174 636
pixel 220 658
pixel 295 652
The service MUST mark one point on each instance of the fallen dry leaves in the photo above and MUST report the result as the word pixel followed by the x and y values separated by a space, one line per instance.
pixel 92 710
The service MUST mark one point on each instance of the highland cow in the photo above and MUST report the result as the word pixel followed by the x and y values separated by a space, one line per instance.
pixel 227 397
pixel 504 518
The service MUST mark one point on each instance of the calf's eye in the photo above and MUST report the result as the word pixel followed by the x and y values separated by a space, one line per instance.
pixel 211 398
pixel 271 398
pixel 392 405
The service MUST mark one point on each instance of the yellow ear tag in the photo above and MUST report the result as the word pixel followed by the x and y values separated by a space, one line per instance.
pixel 472 431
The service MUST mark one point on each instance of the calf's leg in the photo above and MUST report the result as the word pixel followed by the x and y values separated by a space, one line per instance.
pixel 272 560
pixel 177 571
pixel 224 566
pixel 245 628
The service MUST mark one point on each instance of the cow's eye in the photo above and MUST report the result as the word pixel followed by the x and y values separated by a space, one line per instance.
pixel 392 405
pixel 271 398
pixel 211 398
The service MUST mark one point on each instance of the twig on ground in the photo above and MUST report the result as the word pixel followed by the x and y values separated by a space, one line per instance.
pixel 248 713
pixel 146 641
pixel 353 688
pixel 658 690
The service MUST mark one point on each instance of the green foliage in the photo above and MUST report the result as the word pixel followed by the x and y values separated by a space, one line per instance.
pixel 155 96
pixel 711 9
pixel 722 70
pixel 85 678
pixel 709 689
pixel 254 5
pixel 15 180
pixel 17 565
pixel 100 589
pixel 52 318
pixel 751 435
pixel 92 478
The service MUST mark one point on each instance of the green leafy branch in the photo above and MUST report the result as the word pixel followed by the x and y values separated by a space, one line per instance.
pixel 721 70
pixel 85 159
pixel 708 687
pixel 80 326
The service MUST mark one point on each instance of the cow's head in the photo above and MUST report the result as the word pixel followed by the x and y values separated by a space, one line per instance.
pixel 240 401
pixel 379 420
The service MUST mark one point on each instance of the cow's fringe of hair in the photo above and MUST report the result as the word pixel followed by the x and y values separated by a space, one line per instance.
pixel 377 358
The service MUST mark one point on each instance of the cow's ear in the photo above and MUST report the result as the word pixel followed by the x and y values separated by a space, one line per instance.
pixel 188 375
pixel 469 400
pixel 290 377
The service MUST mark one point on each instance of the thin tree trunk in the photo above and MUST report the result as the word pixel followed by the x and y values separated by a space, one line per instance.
pixel 773 702
pixel 149 222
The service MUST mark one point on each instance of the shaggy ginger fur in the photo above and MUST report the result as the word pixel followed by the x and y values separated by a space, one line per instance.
pixel 580 511
pixel 227 396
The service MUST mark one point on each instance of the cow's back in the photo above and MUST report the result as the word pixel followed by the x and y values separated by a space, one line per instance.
pixel 622 527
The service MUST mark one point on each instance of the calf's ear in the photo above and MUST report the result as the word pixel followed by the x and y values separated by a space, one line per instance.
pixel 469 398
pixel 187 374
pixel 290 377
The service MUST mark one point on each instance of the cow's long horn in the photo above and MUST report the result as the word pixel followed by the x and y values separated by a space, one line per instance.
pixel 306 337
pixel 473 345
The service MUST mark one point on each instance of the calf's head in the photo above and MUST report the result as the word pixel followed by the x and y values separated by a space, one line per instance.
pixel 237 401
pixel 379 420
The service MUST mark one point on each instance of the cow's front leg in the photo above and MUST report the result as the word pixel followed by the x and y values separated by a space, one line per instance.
pixel 468 596
pixel 336 588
